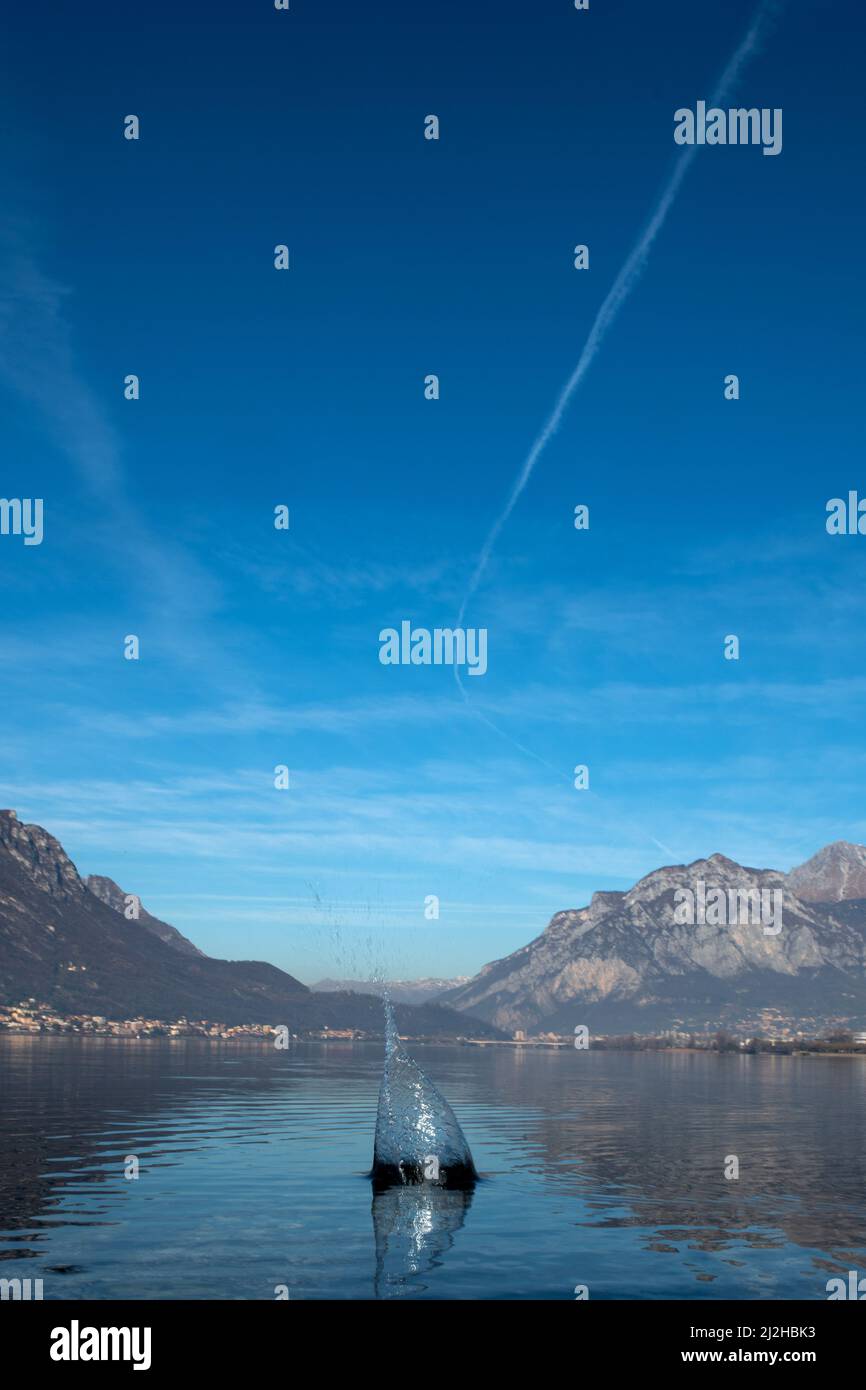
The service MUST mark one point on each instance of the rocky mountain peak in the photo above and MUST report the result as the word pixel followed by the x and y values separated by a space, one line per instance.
pixel 107 890
pixel 833 875
pixel 114 896
pixel 40 855
pixel 651 956
pixel 716 870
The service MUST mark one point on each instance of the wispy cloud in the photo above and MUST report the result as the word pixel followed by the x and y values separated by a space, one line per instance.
pixel 38 361
pixel 626 280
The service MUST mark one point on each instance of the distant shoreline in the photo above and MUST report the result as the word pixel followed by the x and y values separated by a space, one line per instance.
pixel 256 1034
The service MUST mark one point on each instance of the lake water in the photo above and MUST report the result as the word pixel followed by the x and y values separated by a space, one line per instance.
pixel 600 1169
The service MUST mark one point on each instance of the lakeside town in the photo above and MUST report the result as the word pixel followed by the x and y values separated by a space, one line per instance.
pixel 30 1018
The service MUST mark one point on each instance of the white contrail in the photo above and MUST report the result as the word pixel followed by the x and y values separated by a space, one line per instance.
pixel 619 292
pixel 616 297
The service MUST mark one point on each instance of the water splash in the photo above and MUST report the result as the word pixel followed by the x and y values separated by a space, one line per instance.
pixel 418 1139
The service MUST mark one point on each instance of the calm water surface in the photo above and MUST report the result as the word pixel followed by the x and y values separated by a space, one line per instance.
pixel 604 1169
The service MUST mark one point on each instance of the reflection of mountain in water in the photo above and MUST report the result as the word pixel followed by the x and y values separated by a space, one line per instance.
pixel 643 1137
pixel 80 1088
pixel 414 1227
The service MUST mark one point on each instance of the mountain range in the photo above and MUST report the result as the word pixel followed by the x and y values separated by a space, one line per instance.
pixel 66 943
pixel 624 963
pixel 628 961
pixel 399 991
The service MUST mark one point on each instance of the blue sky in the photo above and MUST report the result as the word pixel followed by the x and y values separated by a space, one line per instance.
pixel 260 647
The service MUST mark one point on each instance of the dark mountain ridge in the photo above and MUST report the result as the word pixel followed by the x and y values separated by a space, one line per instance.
pixel 108 892
pixel 66 948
